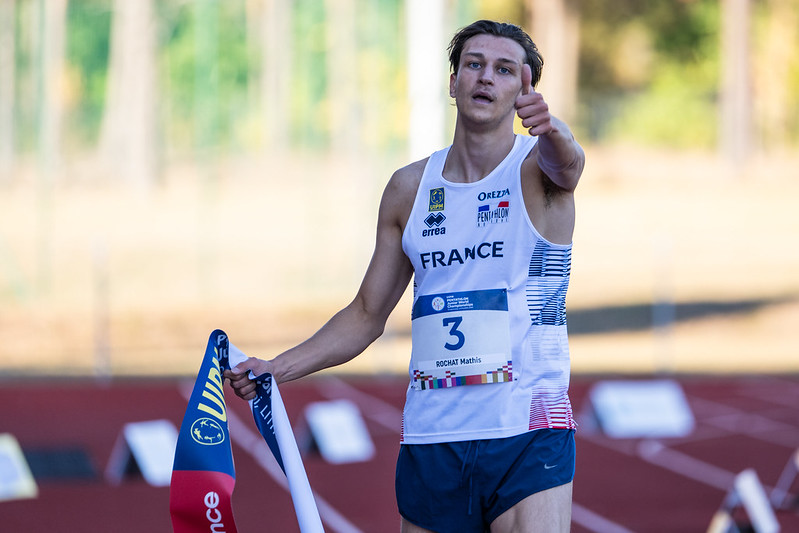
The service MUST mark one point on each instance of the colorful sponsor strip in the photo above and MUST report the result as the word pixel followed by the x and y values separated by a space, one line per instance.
pixel 428 382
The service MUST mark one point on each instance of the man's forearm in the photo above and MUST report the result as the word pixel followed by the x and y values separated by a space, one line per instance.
pixel 341 339
pixel 560 156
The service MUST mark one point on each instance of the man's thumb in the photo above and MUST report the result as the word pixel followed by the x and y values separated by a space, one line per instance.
pixel 527 79
pixel 242 367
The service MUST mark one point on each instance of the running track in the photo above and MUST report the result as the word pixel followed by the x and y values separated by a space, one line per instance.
pixel 628 485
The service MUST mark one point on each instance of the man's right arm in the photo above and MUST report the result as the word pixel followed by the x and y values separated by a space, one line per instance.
pixel 354 328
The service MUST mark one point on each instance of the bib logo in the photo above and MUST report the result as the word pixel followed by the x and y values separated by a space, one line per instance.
pixel 436 199
pixel 207 432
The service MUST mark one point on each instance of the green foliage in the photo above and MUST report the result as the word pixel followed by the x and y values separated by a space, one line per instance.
pixel 205 73
pixel 87 47
pixel 649 71
pixel 669 112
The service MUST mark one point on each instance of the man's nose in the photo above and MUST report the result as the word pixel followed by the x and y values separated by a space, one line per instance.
pixel 486 76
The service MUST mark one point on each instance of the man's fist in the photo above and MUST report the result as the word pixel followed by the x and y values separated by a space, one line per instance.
pixel 531 107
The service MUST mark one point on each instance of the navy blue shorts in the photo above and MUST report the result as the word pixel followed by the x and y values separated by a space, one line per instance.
pixel 462 487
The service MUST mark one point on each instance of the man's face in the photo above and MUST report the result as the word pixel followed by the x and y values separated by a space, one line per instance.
pixel 488 79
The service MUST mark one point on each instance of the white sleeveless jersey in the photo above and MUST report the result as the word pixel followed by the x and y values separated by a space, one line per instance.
pixel 490 356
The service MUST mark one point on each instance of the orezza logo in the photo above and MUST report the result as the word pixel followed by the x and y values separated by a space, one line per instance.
pixel 433 223
pixel 207 432
pixel 436 202
pixel 487 214
pixel 459 256
pixel 493 195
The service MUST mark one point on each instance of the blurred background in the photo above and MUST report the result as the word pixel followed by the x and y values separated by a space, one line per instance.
pixel 170 167
pixel 175 166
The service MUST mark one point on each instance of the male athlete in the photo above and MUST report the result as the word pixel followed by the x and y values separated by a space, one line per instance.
pixel 484 227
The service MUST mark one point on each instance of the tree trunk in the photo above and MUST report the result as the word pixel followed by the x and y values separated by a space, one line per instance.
pixel 129 136
pixel 7 73
pixel 427 75
pixel 776 55
pixel 735 132
pixel 276 23
pixel 556 31
pixel 342 76
pixel 52 28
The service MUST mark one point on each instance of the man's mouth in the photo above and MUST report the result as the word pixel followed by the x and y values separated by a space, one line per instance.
pixel 483 97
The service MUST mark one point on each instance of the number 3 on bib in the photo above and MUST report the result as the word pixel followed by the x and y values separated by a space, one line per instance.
pixel 454 321
pixel 461 338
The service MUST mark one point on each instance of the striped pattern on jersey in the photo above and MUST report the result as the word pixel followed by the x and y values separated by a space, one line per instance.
pixel 547 283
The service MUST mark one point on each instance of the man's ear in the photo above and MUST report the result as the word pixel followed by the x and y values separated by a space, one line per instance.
pixel 452 80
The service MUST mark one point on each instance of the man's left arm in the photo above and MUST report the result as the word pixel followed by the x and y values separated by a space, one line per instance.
pixel 559 154
pixel 560 157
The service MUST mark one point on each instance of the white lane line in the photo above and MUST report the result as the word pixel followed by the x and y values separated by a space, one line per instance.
pixel 373 408
pixel 594 522
pixel 739 422
pixel 254 444
pixel 390 417
pixel 658 454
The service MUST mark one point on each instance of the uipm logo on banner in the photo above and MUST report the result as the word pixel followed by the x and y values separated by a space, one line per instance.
pixel 203 475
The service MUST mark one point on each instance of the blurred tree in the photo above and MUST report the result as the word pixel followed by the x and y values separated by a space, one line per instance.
pixel 52 25
pixel 427 75
pixel 276 71
pixel 129 137
pixel 206 76
pixel 342 95
pixel 51 19
pixel 735 128
pixel 649 71
pixel 776 73
pixel 556 30
pixel 7 74
pixel 88 32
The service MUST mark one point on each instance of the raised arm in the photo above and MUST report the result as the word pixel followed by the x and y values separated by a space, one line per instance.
pixel 559 155
pixel 356 326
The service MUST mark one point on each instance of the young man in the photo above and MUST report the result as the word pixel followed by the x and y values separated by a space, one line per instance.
pixel 484 227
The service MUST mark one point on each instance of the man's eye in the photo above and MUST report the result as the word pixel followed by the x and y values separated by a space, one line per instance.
pixel 504 70
pixel 474 64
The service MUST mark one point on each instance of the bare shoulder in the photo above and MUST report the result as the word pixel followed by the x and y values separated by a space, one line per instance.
pixel 406 179
pixel 400 192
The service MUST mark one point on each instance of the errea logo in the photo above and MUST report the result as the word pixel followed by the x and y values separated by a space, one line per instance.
pixel 433 223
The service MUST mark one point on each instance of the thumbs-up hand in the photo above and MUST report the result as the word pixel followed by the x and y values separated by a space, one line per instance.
pixel 531 107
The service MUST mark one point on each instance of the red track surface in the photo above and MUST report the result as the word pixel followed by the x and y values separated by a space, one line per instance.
pixel 741 423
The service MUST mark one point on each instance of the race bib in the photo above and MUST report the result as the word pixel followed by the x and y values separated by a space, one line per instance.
pixel 461 338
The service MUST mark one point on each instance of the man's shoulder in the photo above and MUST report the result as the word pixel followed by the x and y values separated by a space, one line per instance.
pixel 406 180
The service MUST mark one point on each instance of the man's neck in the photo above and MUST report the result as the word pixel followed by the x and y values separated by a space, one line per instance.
pixel 475 154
